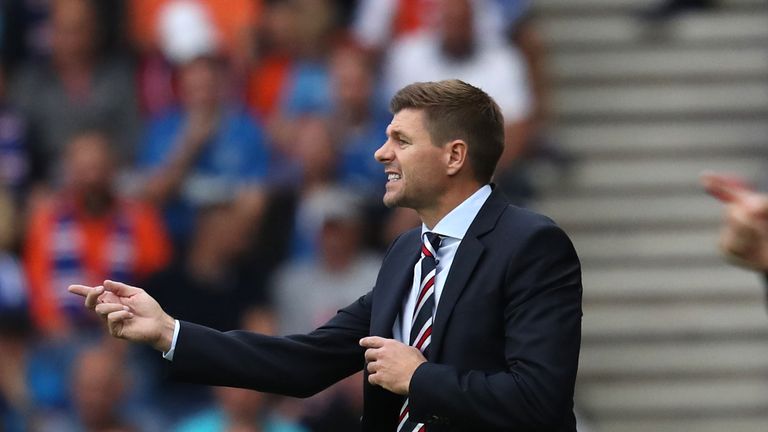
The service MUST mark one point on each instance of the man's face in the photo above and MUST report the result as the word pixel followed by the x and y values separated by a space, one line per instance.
pixel 200 83
pixel 88 164
pixel 74 30
pixel 415 168
pixel 352 81
pixel 457 27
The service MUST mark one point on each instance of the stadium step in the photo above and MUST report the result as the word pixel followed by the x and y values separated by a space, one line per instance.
pixel 648 174
pixel 690 320
pixel 629 284
pixel 600 213
pixel 742 422
pixel 611 30
pixel 659 63
pixel 662 138
pixel 654 361
pixel 647 246
pixel 627 6
pixel 617 100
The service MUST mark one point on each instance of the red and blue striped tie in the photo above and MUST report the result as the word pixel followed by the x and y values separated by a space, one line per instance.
pixel 423 312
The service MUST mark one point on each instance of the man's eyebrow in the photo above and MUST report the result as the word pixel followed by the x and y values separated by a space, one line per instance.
pixel 399 134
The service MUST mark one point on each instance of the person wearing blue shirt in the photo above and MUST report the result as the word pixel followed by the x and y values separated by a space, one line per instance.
pixel 203 152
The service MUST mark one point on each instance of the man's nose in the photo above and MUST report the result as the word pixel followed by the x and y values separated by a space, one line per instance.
pixel 383 154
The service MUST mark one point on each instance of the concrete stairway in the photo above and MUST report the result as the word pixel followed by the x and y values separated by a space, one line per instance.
pixel 674 338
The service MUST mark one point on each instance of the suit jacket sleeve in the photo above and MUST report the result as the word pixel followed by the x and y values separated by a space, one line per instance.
pixel 542 337
pixel 296 365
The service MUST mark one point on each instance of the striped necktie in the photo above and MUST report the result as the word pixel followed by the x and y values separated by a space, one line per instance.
pixel 421 324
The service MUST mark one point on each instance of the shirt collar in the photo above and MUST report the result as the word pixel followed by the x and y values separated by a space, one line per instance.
pixel 456 223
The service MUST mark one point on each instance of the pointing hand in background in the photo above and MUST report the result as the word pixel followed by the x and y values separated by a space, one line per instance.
pixel 744 232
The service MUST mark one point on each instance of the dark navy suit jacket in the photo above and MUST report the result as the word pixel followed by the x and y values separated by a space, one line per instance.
pixel 505 341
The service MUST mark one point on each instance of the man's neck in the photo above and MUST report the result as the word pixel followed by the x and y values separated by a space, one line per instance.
pixel 430 217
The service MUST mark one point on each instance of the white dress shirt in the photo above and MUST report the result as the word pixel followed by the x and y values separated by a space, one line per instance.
pixel 452 227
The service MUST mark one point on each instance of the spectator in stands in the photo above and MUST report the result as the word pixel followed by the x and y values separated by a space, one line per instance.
pixel 307 293
pixel 167 33
pixel 77 88
pixel 454 49
pixel 379 23
pixel 205 148
pixel 87 231
pixel 209 282
pixel 337 276
pixel 278 47
pixel 95 410
pixel 26 31
pixel 744 233
pixel 309 89
pixel 234 24
pixel 314 153
pixel 238 410
pixel 292 77
pixel 358 118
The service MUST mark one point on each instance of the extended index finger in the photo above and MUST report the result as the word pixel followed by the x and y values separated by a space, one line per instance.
pixel 726 188
pixel 81 290
pixel 91 294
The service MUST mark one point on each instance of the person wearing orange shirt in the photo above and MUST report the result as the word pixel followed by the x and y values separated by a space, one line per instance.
pixel 87 231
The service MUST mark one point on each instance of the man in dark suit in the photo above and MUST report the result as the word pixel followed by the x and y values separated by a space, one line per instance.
pixel 473 324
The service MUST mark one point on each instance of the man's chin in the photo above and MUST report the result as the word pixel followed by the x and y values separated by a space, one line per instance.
pixel 391 200
pixel 389 203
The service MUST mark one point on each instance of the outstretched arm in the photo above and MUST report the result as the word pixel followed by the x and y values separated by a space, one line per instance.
pixel 297 365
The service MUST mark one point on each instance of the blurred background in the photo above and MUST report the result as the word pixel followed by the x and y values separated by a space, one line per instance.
pixel 219 154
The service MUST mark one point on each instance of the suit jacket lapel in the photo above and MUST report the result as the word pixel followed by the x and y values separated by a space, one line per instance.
pixel 467 256
pixel 394 282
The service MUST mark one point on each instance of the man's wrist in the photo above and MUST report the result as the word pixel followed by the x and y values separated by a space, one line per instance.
pixel 409 389
pixel 167 329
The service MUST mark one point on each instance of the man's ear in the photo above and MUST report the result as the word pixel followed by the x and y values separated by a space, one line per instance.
pixel 457 154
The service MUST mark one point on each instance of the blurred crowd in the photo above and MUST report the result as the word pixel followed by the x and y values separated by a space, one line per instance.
pixel 220 155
